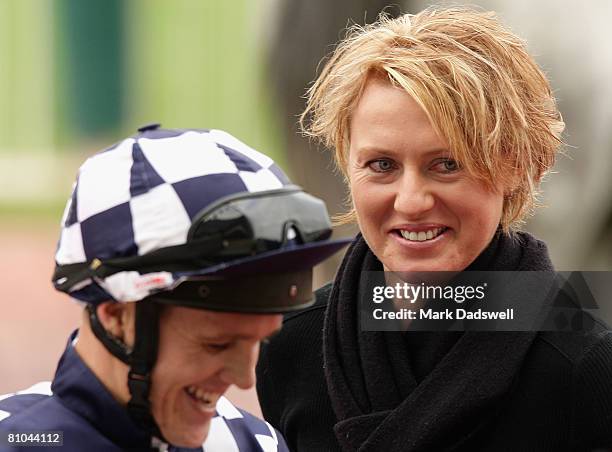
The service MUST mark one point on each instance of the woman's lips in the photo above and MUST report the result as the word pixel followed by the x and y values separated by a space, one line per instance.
pixel 423 234
pixel 424 237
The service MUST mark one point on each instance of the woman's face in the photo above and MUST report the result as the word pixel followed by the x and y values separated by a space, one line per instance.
pixel 416 208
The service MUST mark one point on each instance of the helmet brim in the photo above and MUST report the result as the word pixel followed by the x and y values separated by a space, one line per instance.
pixel 287 259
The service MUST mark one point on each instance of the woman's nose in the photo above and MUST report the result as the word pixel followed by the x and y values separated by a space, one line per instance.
pixel 414 196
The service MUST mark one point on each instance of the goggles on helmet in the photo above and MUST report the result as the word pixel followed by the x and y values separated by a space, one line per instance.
pixel 238 235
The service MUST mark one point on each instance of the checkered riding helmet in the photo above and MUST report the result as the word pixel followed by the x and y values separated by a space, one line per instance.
pixel 142 195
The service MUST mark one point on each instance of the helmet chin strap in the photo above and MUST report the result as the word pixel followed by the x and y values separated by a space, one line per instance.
pixel 141 359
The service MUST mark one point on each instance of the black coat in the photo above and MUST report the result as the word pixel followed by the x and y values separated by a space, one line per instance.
pixel 558 398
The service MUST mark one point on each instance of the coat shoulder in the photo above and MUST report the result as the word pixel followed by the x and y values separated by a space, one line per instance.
pixel 585 358
pixel 573 347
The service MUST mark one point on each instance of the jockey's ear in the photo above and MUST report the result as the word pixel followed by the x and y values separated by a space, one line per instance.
pixel 118 320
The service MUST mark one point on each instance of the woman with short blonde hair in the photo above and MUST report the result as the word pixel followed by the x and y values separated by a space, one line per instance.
pixel 443 126
pixel 480 88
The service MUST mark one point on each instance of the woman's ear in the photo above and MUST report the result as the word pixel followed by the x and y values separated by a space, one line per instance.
pixel 118 320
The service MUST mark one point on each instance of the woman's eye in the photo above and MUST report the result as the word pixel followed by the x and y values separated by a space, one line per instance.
pixel 381 165
pixel 447 165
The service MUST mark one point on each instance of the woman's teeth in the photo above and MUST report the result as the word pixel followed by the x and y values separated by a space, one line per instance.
pixel 421 236
pixel 207 400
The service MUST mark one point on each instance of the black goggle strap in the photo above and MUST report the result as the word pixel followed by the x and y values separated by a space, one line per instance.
pixel 141 359
pixel 195 254
pixel 143 356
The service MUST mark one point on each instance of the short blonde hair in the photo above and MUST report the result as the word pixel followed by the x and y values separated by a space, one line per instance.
pixel 481 90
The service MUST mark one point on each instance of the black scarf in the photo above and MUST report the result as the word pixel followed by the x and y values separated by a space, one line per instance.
pixel 388 398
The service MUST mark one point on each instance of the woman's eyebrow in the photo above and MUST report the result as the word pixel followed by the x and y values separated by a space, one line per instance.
pixel 439 151
pixel 386 150
pixel 376 150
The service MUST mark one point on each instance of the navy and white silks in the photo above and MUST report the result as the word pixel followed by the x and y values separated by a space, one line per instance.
pixel 77 404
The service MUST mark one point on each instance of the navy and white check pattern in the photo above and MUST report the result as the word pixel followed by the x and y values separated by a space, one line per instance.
pixel 222 437
pixel 143 193
pixel 231 429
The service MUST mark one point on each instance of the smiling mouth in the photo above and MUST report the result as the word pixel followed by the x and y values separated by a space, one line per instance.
pixel 206 401
pixel 421 236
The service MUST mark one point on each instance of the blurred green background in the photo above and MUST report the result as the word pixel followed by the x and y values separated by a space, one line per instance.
pixel 76 76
